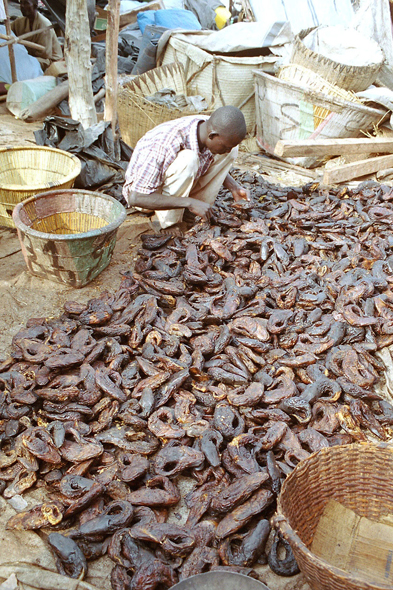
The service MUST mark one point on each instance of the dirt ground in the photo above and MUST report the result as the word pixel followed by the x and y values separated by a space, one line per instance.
pixel 24 296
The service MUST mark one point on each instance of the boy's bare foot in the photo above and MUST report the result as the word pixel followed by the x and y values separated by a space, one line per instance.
pixel 177 231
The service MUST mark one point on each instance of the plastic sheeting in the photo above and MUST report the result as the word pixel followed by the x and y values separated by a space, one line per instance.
pixel 304 14
pixel 204 10
pixel 235 38
pixel 373 19
pixel 94 147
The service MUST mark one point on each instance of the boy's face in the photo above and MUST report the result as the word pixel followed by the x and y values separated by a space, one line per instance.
pixel 28 8
pixel 218 144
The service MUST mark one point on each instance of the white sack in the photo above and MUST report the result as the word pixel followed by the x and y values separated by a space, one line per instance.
pixel 344 45
pixel 241 36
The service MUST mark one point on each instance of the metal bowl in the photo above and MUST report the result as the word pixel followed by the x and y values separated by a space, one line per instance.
pixel 219 580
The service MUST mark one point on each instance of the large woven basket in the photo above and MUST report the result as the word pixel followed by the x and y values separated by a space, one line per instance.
pixel 68 236
pixel 226 78
pixel 360 477
pixel 138 115
pixel 287 110
pixel 28 170
pixel 355 78
pixel 308 79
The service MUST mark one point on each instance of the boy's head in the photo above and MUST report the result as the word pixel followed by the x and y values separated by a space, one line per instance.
pixel 226 129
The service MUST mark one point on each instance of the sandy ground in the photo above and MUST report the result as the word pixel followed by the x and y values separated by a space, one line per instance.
pixel 24 296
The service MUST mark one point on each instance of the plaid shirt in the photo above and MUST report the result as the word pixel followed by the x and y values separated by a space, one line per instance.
pixel 158 148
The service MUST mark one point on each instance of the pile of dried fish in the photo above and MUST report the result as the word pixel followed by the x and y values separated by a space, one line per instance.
pixel 229 356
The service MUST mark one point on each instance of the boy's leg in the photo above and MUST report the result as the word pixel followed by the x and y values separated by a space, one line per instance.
pixel 207 186
pixel 178 182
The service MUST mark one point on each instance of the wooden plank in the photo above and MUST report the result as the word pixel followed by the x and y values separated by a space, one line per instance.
pixel 333 147
pixel 356 169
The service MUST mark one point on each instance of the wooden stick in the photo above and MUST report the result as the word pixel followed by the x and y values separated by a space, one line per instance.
pixel 100 94
pixel 21 42
pixel 24 36
pixel 332 147
pixel 112 34
pixel 357 169
pixel 10 47
pixel 269 163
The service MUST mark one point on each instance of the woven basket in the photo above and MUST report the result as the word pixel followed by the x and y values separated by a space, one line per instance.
pixel 27 171
pixel 355 78
pixel 360 477
pixel 227 78
pixel 287 110
pixel 68 236
pixel 312 81
pixel 138 115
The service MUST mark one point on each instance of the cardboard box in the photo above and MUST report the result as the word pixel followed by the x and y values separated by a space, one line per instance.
pixel 355 544
pixel 57 68
pixel 101 22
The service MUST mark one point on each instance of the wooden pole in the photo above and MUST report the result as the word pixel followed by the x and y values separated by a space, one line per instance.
pixel 24 36
pixel 20 41
pixel 112 35
pixel 10 47
pixel 77 53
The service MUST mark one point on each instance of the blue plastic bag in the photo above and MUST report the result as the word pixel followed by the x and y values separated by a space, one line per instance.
pixel 177 19
pixel 147 17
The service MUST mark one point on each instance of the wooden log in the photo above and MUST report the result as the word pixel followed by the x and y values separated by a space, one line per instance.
pixel 111 83
pixel 44 105
pixel 332 147
pixel 10 47
pixel 77 54
pixel 356 169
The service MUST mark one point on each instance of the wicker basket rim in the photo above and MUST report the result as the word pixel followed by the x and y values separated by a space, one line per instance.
pixel 300 545
pixel 331 569
pixel 126 92
pixel 319 95
pixel 326 85
pixel 22 188
pixel 67 237
pixel 327 61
